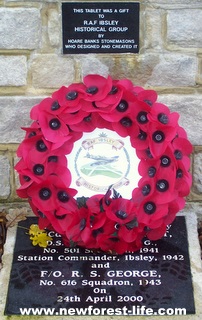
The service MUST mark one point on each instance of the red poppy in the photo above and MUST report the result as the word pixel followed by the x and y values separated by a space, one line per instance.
pixel 109 240
pixel 33 130
pixel 119 90
pixel 181 150
pixel 65 196
pixel 70 98
pixel 160 136
pixel 146 187
pixel 43 222
pixel 57 221
pixel 157 233
pixel 113 99
pixel 80 226
pixel 94 203
pixel 123 108
pixel 53 128
pixel 183 181
pixel 150 211
pixel 97 87
pixel 34 148
pixel 121 210
pixel 74 118
pixel 126 127
pixel 48 105
pixel 67 146
pixel 114 95
pixel 26 182
pixel 47 219
pixel 173 208
pixel 147 96
pixel 140 141
pixel 43 195
pixel 161 114
pixel 88 123
pixel 130 231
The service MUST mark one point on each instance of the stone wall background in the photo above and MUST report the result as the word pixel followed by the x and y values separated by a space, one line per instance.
pixel 32 66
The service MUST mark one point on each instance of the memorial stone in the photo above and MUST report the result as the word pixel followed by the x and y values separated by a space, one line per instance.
pixel 77 281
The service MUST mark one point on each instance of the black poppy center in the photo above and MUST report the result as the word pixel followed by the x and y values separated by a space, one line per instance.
pixel 45 193
pixel 148 153
pixel 117 226
pixel 88 118
pixel 126 122
pixel 72 95
pixel 41 214
pixel 26 178
pixel 179 173
pixel 162 185
pixel 54 124
pixel 165 161
pixel 40 146
pixel 82 224
pixel 55 106
pixel 151 172
pixel 38 169
pixel 178 154
pixel 163 118
pixel 59 217
pixel 146 190
pixel 32 134
pixel 149 207
pixel 121 214
pixel 96 232
pixel 122 106
pixel 142 135
pixel 53 159
pixel 142 117
pixel 114 90
pixel 63 196
pixel 158 136
pixel 92 90
pixel 149 102
pixel 132 224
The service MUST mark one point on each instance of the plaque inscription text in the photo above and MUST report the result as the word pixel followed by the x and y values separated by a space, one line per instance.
pixel 101 27
pixel 76 281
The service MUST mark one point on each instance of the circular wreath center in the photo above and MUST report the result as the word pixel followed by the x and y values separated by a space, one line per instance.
pixel 101 159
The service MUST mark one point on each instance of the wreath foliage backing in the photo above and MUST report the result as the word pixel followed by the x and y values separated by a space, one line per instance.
pixel 105 221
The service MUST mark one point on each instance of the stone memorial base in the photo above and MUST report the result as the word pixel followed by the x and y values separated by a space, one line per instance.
pixel 196 271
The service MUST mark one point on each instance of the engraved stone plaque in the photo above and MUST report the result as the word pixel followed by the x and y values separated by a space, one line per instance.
pixel 57 280
pixel 100 27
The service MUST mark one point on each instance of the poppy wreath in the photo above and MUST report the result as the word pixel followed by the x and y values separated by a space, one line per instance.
pixel 107 221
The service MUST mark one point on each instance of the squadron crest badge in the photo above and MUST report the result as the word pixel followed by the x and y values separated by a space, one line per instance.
pixel 101 160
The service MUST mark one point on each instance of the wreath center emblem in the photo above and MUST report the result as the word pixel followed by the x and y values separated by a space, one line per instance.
pixel 101 159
